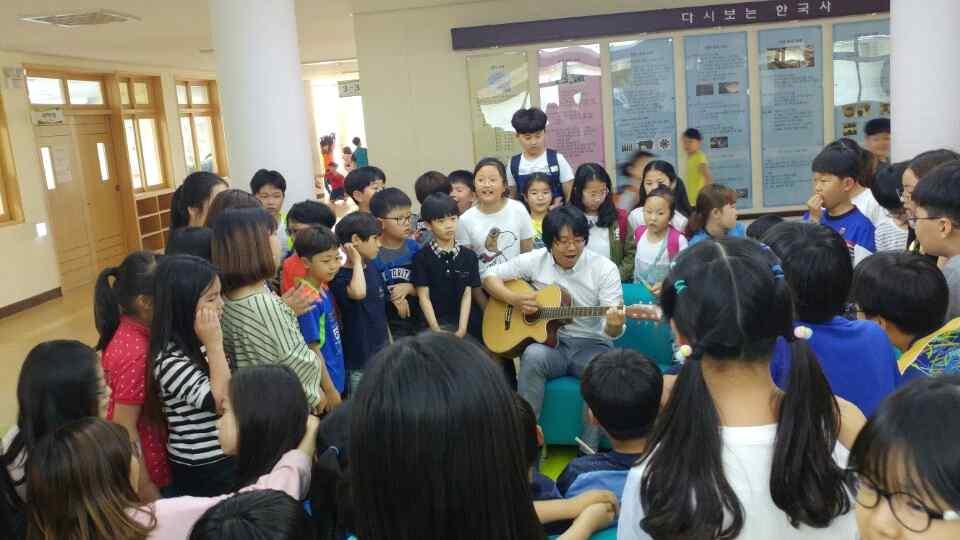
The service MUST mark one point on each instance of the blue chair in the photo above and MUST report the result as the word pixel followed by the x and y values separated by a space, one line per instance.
pixel 650 338
pixel 562 415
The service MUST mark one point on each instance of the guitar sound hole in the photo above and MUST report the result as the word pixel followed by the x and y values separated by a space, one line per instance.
pixel 530 319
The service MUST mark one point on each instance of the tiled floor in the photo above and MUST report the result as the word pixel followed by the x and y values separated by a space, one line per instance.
pixel 69 317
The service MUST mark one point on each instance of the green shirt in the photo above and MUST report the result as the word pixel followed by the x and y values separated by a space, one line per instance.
pixel 694 179
pixel 260 329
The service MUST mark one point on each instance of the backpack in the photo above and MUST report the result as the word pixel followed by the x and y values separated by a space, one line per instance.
pixel 554 173
pixel 673 239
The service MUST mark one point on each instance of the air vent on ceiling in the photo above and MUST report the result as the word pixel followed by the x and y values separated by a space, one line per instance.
pixel 84 18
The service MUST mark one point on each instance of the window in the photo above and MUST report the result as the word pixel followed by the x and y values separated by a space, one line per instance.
pixel 67 90
pixel 200 126
pixel 102 158
pixel 142 129
pixel 46 158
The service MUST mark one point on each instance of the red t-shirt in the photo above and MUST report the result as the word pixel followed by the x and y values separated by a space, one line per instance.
pixel 125 371
pixel 336 180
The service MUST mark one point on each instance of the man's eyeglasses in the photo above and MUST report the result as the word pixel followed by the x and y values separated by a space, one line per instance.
pixel 910 511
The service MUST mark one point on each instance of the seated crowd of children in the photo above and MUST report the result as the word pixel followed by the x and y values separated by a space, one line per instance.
pixel 270 358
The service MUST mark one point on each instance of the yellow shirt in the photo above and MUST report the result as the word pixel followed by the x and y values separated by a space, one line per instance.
pixel 694 179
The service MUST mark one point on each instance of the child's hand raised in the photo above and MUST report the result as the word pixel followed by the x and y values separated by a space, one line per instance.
pixel 815 207
pixel 353 254
pixel 301 299
pixel 206 324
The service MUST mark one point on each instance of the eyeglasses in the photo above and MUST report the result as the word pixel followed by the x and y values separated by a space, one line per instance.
pixel 602 194
pixel 907 509
pixel 913 220
pixel 404 220
pixel 576 242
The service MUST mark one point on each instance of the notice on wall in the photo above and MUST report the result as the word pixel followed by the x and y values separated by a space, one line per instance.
pixel 570 94
pixel 861 76
pixel 498 88
pixel 718 104
pixel 791 90
pixel 644 100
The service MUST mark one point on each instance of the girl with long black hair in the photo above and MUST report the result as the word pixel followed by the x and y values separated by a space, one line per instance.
pixel 609 234
pixel 732 456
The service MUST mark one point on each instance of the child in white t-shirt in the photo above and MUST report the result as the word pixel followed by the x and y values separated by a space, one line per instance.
pixel 658 242
pixel 497 228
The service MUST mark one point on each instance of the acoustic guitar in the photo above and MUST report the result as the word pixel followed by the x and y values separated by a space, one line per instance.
pixel 507 330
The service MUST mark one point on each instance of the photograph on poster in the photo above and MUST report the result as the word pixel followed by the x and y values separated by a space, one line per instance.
pixel 850 130
pixel 705 89
pixel 732 87
pixel 801 56
pixel 719 142
pixel 861 75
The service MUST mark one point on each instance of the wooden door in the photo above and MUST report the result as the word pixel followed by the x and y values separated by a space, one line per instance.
pixel 66 204
pixel 104 206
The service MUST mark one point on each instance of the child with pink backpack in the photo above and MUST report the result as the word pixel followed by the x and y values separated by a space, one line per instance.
pixel 658 242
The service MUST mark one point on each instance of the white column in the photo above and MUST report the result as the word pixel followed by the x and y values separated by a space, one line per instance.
pixel 924 76
pixel 261 91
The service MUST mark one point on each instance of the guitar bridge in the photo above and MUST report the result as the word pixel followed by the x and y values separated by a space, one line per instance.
pixel 508 318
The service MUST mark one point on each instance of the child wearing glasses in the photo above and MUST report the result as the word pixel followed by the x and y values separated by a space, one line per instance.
pixel 936 221
pixel 391 207
pixel 593 194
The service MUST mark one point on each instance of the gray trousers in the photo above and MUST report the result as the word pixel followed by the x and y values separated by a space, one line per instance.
pixel 540 363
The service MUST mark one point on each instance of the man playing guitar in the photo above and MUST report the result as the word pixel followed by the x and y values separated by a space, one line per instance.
pixel 589 278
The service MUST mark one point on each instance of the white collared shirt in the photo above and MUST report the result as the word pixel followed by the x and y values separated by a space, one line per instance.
pixel 593 281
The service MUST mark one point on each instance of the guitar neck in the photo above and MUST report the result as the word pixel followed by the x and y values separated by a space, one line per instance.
pixel 571 312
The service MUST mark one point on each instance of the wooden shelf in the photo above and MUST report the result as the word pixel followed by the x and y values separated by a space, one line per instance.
pixel 153 218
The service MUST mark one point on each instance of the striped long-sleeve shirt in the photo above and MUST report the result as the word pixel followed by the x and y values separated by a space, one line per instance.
pixel 189 407
pixel 261 329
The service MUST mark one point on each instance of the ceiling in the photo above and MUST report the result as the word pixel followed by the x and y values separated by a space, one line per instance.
pixel 174 32
pixel 171 33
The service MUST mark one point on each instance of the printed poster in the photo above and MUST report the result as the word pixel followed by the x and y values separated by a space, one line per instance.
pixel 791 94
pixel 498 88
pixel 570 95
pixel 861 76
pixel 644 100
pixel 718 104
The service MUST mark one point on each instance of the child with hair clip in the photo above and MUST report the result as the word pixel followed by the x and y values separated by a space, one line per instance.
pixel 189 374
pixel 609 234
pixel 661 174
pixel 82 479
pixel 60 381
pixel 191 200
pixel 123 311
pixel 730 453
pixel 715 215
pixel 258 327
pixel 904 466
pixel 537 197
pixel 657 241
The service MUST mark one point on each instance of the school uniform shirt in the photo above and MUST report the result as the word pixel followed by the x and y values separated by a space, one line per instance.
pixel 652 261
pixel 447 274
pixel 856 357
pixel 261 329
pixel 890 237
pixel 951 271
pixel 867 204
pixel 857 231
pixel 363 323
pixel 593 281
pixel 495 238
pixel 934 355
pixel 189 408
pixel 320 326
pixel 738 231
pixel 125 371
pixel 747 455
pixel 604 461
pixel 175 517
pixel 636 219
pixel 396 268
pixel 540 165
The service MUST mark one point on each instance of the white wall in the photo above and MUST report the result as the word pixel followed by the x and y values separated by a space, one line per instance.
pixel 28 264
